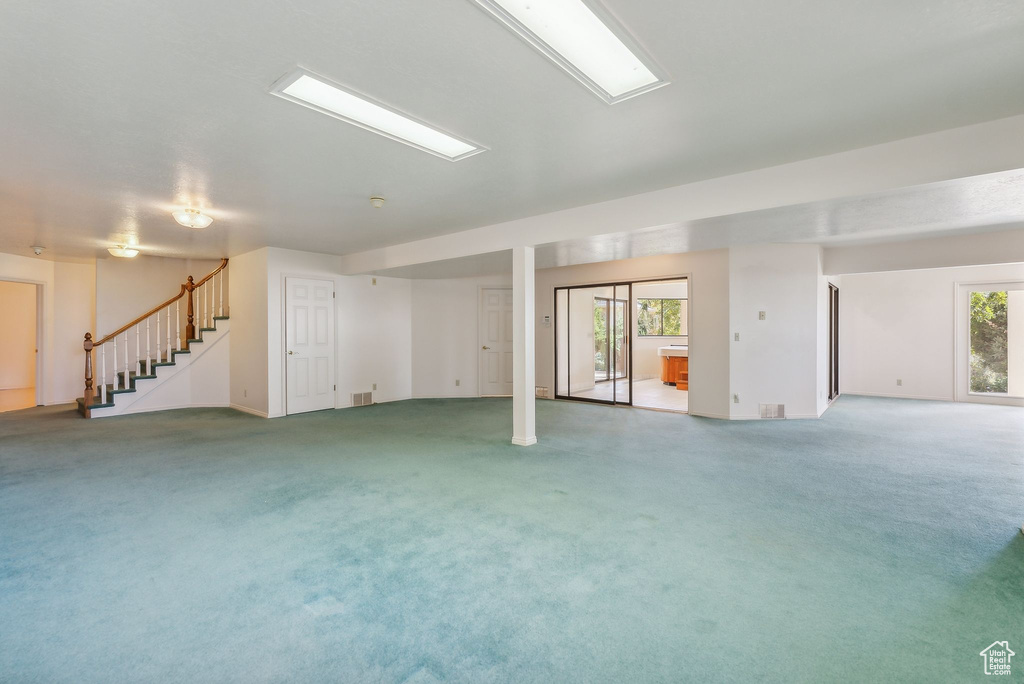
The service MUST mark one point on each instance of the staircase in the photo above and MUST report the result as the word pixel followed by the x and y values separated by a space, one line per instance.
pixel 148 365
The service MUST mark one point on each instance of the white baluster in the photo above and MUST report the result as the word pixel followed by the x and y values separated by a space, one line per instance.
pixel 158 359
pixel 177 322
pixel 221 293
pixel 149 351
pixel 138 356
pixel 114 383
pixel 103 374
pixel 213 298
pixel 168 329
pixel 124 381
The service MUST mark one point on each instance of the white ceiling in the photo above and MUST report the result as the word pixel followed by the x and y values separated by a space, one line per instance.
pixel 113 112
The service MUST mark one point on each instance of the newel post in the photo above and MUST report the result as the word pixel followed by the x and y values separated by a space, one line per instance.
pixel 88 345
pixel 190 327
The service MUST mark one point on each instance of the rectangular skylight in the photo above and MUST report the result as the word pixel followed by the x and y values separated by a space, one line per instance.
pixel 584 39
pixel 316 92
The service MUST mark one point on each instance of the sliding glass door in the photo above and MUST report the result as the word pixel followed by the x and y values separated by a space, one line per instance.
pixel 592 343
pixel 609 339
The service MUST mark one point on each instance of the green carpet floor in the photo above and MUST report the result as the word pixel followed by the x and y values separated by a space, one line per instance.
pixel 410 542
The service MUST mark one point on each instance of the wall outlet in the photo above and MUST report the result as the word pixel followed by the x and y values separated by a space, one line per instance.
pixel 761 315
pixel 245 393
pixel 458 383
pixel 899 382
pixel 374 281
pixel 735 398
pixel 374 387
pixel 735 337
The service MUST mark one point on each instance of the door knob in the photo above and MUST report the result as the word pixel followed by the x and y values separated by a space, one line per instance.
pixel 485 347
pixel 290 352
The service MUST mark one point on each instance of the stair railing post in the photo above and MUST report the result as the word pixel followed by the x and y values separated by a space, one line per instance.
pixel 87 345
pixel 190 326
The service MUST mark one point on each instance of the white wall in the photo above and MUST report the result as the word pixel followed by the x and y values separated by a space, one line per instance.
pixel 775 360
pixel 901 325
pixel 127 288
pixel 997 247
pixel 18 335
pixel 709 317
pixel 248 276
pixel 66 315
pixel 373 329
pixel 445 327
pixel 374 338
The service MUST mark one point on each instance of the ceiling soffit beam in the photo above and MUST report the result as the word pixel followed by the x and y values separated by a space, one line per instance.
pixel 955 153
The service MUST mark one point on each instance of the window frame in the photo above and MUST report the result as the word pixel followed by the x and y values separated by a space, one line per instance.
pixel 661 315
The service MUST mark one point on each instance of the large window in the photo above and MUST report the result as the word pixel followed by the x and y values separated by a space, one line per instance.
pixel 660 317
pixel 989 342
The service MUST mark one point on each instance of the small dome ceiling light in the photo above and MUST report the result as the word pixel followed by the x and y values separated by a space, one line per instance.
pixel 377 202
pixel 123 251
pixel 192 218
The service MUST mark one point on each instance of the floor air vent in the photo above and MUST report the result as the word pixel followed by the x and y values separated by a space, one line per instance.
pixel 362 398
pixel 773 410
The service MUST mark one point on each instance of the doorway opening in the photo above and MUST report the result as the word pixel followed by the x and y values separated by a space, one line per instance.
pixel 19 367
pixel 833 341
pixel 624 343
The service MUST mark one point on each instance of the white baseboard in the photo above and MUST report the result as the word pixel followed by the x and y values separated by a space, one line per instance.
pixel 250 411
pixel 887 395
pixel 716 416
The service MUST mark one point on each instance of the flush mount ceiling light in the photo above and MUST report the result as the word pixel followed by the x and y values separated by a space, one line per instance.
pixel 316 92
pixel 583 38
pixel 377 202
pixel 192 218
pixel 123 251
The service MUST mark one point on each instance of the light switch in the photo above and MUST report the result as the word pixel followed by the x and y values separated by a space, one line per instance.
pixel 760 315
pixel 735 337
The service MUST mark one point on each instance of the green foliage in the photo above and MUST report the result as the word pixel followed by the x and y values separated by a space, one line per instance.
pixel 671 310
pixel 648 317
pixel 988 342
pixel 600 335
pixel 660 317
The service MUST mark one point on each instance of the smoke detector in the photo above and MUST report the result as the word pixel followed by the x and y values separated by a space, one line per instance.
pixel 377 202
pixel 37 249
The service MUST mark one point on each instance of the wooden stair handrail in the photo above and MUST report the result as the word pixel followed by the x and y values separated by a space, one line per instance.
pixel 223 263
pixel 141 318
pixel 184 288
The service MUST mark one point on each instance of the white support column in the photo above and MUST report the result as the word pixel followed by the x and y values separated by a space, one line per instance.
pixel 524 383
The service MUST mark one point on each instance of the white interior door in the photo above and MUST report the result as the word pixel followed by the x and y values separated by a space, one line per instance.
pixel 309 349
pixel 495 341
